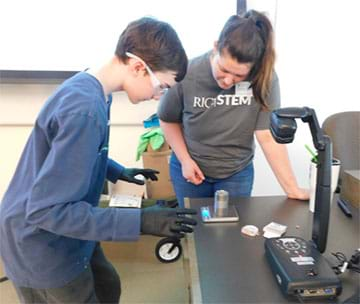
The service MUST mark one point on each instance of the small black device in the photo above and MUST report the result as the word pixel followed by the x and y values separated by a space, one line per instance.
pixel 343 205
pixel 300 269
pixel 298 265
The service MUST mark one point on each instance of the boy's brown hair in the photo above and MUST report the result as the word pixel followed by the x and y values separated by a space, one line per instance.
pixel 155 42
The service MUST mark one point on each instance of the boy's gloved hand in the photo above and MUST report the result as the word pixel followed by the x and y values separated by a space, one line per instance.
pixel 129 174
pixel 168 222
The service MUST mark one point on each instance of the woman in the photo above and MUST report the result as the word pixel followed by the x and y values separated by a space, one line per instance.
pixel 210 118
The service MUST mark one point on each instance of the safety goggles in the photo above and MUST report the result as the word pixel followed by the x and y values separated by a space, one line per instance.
pixel 158 87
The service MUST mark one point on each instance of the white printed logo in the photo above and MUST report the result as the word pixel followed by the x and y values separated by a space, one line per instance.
pixel 222 100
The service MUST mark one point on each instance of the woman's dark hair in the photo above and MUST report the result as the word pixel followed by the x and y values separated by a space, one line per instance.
pixel 249 39
pixel 155 42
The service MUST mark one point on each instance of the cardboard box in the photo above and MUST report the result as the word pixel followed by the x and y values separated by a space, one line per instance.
pixel 350 189
pixel 164 147
pixel 159 160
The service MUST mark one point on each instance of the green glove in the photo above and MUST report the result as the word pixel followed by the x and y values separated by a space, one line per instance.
pixel 156 139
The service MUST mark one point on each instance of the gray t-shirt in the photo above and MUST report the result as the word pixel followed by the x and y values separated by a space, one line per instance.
pixel 218 125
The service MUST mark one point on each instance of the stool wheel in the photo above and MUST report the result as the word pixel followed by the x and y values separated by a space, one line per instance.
pixel 168 250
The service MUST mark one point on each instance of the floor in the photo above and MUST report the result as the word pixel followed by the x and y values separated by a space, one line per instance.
pixel 144 279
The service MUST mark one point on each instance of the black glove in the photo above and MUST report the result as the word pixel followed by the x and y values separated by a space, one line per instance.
pixel 129 174
pixel 168 222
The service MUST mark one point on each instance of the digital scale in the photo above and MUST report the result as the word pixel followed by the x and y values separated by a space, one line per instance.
pixel 298 266
pixel 208 215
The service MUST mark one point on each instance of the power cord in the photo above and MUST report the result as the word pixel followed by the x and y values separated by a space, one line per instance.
pixel 352 264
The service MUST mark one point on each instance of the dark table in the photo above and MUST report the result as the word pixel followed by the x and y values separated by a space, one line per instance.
pixel 225 266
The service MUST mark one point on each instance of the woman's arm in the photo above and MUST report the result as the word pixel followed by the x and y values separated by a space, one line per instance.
pixel 278 159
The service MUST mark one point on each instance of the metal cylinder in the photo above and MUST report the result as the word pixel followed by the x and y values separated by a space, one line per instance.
pixel 221 203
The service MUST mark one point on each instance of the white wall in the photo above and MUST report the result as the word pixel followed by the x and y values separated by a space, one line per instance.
pixel 318 65
pixel 76 34
pixel 20 103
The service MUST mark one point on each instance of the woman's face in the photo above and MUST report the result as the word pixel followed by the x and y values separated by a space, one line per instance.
pixel 227 71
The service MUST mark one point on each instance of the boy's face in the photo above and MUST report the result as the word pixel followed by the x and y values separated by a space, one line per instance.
pixel 146 84
pixel 152 86
pixel 227 71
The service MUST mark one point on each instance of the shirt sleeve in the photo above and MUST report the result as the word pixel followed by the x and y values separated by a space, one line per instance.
pixel 114 170
pixel 263 120
pixel 171 105
pixel 55 204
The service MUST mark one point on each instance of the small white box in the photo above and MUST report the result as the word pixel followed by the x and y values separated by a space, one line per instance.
pixel 274 230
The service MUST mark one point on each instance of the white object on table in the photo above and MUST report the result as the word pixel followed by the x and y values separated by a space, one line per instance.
pixel 274 230
pixel 250 230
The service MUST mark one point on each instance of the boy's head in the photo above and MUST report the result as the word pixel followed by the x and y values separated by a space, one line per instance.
pixel 157 46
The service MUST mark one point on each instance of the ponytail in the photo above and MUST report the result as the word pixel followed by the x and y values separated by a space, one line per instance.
pixel 263 70
pixel 250 39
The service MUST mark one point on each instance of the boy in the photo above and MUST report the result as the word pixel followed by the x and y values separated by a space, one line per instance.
pixel 50 225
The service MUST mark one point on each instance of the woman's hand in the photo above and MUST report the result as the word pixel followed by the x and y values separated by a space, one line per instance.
pixel 191 172
pixel 299 193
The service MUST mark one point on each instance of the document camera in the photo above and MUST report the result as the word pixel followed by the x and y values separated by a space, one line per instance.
pixel 298 265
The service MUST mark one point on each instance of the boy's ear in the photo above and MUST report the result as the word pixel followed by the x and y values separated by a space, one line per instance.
pixel 136 66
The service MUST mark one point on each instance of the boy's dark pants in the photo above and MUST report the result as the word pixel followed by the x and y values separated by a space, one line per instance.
pixel 99 283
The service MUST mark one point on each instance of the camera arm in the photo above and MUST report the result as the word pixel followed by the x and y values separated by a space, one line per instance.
pixel 283 127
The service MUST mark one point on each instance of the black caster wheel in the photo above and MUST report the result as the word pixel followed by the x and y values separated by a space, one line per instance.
pixel 168 250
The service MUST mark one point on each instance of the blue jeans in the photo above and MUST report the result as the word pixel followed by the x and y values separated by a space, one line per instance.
pixel 239 184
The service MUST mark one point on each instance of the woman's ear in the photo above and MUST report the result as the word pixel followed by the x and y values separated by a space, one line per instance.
pixel 215 47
